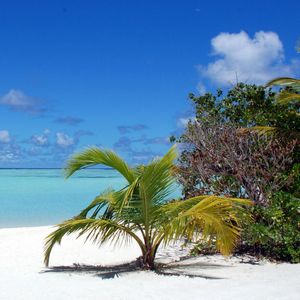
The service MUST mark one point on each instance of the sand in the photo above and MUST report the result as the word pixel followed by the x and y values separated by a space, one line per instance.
pixel 23 275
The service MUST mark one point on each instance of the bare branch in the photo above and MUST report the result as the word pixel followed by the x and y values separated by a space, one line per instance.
pixel 220 159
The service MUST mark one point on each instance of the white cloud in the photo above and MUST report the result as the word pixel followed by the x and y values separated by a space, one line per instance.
pixel 183 122
pixel 63 140
pixel 4 136
pixel 251 60
pixel 42 139
pixel 9 151
pixel 17 100
pixel 8 157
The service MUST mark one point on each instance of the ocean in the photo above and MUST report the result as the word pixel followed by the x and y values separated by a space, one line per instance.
pixel 36 197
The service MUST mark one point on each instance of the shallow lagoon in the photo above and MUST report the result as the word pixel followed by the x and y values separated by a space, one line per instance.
pixel 33 197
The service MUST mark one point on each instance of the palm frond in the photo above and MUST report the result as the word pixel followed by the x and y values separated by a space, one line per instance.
pixel 285 97
pixel 271 131
pixel 102 202
pixel 94 156
pixel 125 196
pixel 285 81
pixel 157 179
pixel 110 202
pixel 208 215
pixel 97 230
pixel 155 185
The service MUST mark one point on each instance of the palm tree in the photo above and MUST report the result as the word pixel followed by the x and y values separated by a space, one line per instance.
pixel 287 96
pixel 141 210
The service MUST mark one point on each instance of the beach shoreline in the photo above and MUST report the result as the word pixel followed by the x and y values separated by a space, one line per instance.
pixel 24 276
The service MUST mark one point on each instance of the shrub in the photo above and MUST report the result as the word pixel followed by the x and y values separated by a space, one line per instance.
pixel 275 232
pixel 220 159
pixel 246 144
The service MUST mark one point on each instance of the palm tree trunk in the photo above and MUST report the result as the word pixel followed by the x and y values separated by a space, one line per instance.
pixel 147 259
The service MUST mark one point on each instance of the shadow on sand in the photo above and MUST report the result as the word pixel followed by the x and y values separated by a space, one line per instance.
pixel 184 267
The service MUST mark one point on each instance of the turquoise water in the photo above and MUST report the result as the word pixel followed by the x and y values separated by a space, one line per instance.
pixel 34 197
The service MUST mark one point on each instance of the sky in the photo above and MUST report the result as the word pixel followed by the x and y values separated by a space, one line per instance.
pixel 117 74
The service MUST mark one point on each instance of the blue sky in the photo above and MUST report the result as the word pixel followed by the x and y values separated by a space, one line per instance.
pixel 117 73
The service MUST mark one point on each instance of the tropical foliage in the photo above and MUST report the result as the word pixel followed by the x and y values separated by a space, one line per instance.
pixel 246 105
pixel 290 95
pixel 246 144
pixel 222 154
pixel 275 233
pixel 142 210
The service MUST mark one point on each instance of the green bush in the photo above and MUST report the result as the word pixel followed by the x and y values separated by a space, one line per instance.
pixel 204 248
pixel 275 230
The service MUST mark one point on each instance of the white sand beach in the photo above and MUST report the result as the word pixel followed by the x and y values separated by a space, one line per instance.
pixel 23 275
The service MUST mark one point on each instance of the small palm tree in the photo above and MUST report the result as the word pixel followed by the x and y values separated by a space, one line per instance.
pixel 141 210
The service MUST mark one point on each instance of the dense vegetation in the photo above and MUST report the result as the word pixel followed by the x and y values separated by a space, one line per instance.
pixel 246 144
pixel 275 233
